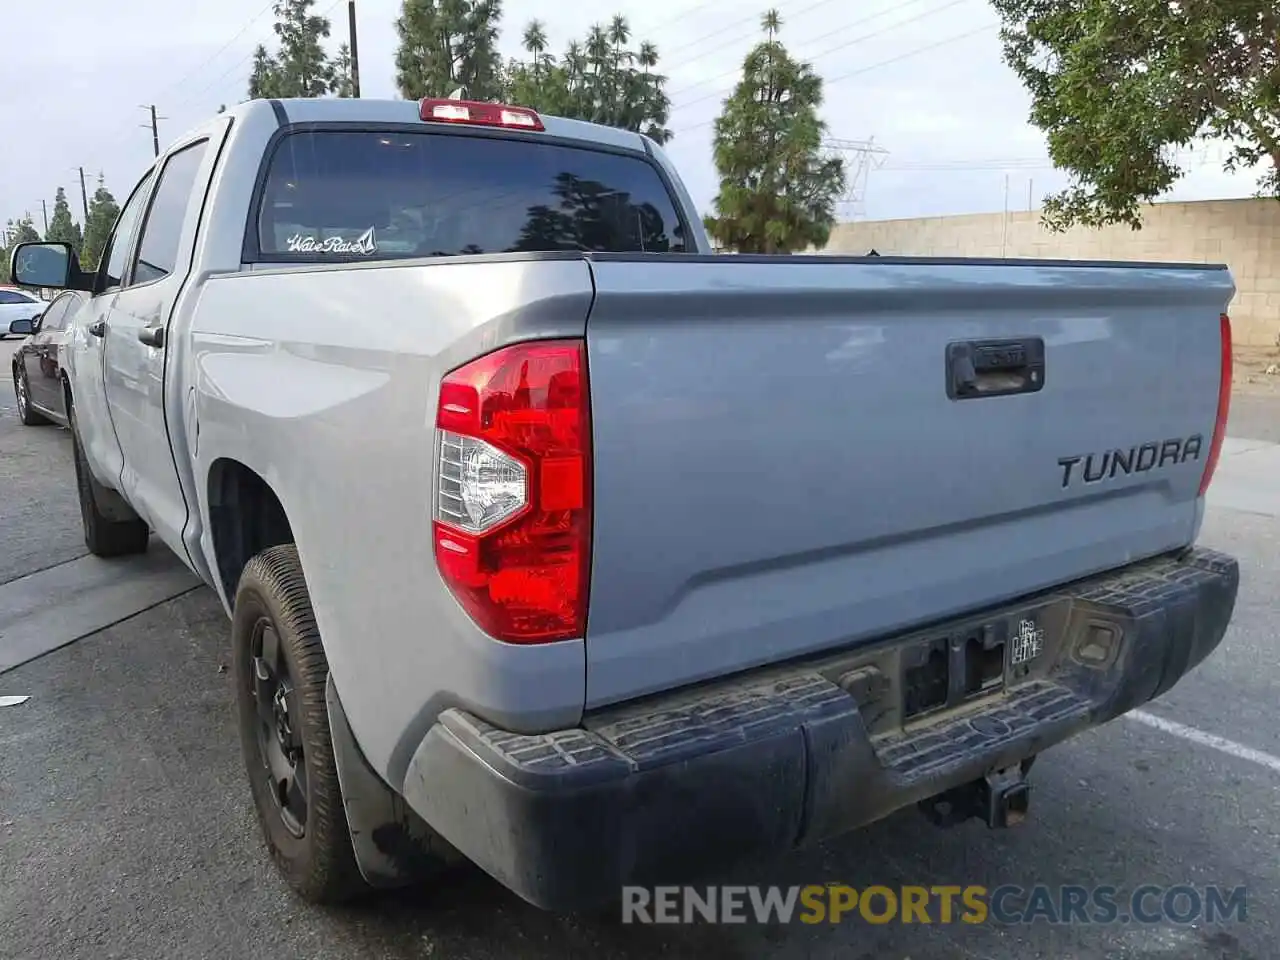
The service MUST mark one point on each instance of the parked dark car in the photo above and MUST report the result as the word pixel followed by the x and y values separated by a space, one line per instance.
pixel 37 363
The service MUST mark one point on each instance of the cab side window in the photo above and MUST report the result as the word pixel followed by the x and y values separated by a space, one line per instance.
pixel 114 258
pixel 162 231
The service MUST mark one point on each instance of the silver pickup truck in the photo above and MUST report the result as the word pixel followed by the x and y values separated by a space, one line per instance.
pixel 553 542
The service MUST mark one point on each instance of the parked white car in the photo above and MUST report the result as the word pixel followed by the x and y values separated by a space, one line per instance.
pixel 17 304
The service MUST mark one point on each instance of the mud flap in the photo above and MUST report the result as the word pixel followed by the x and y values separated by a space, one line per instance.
pixel 394 847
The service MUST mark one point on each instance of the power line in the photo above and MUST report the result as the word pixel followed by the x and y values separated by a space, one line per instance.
pixel 682 16
pixel 1201 155
pixel 740 22
pixel 911 53
pixel 848 26
pixel 222 49
pixel 833 49
pixel 829 81
pixel 226 73
pixel 204 63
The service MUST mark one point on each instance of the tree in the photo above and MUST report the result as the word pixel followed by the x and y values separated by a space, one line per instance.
pixel 600 78
pixel 1118 85
pixel 777 190
pixel 300 67
pixel 103 211
pixel 264 78
pixel 24 231
pixel 62 228
pixel 343 84
pixel 16 232
pixel 447 44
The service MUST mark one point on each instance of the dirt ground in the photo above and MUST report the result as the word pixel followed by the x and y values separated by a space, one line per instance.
pixel 1257 371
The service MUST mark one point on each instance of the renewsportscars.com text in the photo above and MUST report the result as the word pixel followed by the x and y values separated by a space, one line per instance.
pixel 1007 904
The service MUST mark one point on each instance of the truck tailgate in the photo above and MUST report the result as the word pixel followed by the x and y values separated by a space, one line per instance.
pixel 780 468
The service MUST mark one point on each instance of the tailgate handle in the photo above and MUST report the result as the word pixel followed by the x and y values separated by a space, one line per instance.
pixel 994 368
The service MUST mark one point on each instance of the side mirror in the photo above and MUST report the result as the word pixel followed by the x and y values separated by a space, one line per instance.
pixel 52 265
pixel 22 328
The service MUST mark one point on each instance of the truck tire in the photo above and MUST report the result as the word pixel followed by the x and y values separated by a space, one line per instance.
pixel 104 536
pixel 280 672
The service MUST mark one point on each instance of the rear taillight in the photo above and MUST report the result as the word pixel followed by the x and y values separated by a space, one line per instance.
pixel 512 522
pixel 1224 406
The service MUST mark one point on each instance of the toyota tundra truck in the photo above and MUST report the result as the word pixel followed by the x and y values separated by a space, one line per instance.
pixel 553 542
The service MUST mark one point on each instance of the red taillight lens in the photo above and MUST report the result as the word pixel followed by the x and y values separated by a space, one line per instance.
pixel 1224 406
pixel 513 501
pixel 479 113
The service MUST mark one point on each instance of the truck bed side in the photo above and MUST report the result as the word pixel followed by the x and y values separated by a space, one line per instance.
pixel 336 414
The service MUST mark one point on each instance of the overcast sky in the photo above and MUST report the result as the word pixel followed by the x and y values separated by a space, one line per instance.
pixel 923 78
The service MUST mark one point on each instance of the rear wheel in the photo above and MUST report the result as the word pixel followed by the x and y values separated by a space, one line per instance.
pixel 105 536
pixel 280 676
pixel 22 391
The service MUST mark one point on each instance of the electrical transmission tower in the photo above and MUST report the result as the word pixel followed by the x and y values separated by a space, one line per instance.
pixel 860 158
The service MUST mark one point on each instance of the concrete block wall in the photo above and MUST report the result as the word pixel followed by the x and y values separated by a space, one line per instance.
pixel 1244 234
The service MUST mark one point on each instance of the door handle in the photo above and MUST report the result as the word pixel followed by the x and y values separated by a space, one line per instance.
pixel 995 368
pixel 152 336
pixel 98 328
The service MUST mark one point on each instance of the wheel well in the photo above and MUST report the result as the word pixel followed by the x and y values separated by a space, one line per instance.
pixel 245 518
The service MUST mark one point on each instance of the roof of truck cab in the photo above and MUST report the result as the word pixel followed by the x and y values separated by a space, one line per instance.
pixel 346 110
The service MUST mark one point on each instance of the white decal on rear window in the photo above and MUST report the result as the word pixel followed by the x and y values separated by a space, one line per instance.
pixel 366 243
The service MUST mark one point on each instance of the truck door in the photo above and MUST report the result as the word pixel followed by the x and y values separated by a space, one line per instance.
pixel 93 417
pixel 136 346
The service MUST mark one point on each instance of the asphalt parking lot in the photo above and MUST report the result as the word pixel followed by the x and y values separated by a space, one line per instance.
pixel 126 829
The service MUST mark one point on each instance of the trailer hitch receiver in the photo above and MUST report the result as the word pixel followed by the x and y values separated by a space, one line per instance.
pixel 1000 799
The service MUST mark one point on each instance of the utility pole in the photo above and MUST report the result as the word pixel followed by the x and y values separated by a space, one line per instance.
pixel 44 208
pixel 355 49
pixel 84 196
pixel 1004 231
pixel 155 127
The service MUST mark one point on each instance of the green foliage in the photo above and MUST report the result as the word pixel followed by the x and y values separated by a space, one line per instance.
pixel 601 78
pixel 103 211
pixel 24 231
pixel 62 228
pixel 778 191
pixel 343 82
pixel 447 44
pixel 15 232
pixel 264 78
pixel 300 67
pixel 1118 85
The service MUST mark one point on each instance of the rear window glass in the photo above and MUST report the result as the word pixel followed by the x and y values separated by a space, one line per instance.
pixel 371 195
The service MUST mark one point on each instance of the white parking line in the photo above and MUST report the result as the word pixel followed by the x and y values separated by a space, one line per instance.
pixel 1222 745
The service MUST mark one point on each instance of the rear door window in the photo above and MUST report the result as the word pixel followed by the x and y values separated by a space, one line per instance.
pixel 162 231
pixel 375 195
